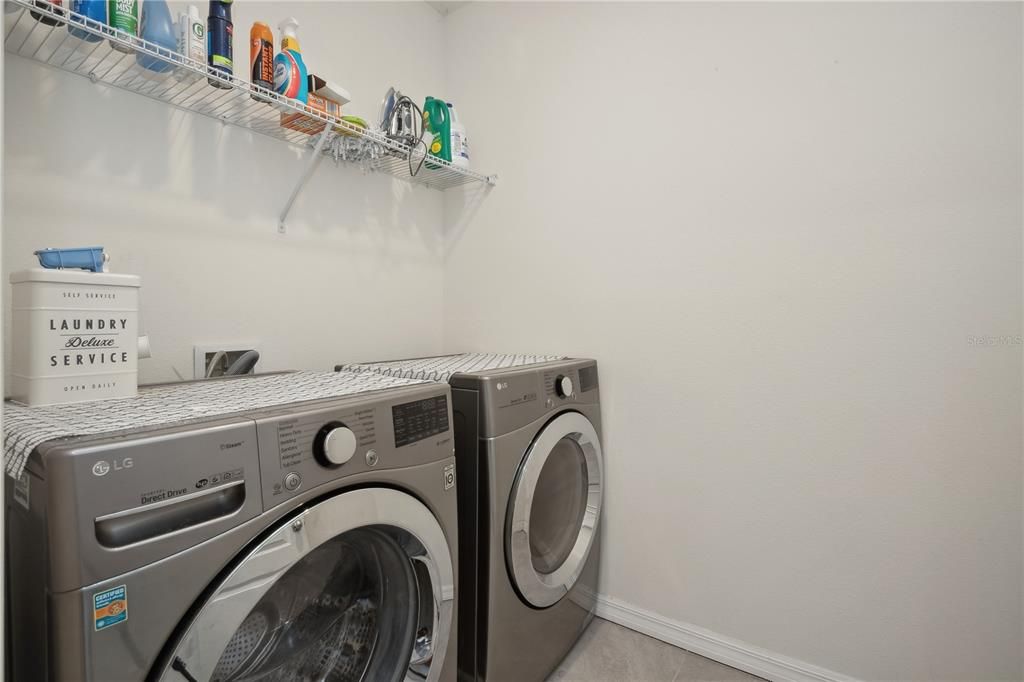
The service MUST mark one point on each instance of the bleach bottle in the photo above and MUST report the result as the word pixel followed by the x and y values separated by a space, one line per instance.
pixel 437 123
pixel 460 145
pixel 290 77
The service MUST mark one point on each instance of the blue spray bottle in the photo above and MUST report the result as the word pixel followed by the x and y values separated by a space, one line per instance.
pixel 290 76
pixel 157 28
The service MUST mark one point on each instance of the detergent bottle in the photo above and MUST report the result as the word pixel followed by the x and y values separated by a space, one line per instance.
pixel 437 124
pixel 157 27
pixel 290 76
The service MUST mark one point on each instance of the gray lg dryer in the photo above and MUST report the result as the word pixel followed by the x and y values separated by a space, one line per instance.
pixel 311 541
pixel 528 446
pixel 528 443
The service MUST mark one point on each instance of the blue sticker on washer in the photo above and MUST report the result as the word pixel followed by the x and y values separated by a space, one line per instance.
pixel 110 607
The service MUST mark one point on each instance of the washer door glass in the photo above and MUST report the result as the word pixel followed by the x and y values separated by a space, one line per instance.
pixel 349 598
pixel 371 600
pixel 554 509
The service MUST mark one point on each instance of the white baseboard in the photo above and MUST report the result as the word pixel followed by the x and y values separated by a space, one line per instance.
pixel 732 652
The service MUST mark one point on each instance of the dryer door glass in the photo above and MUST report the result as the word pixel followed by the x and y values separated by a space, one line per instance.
pixel 554 509
pixel 559 502
pixel 358 587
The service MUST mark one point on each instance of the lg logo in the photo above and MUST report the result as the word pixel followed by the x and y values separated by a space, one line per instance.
pixel 502 385
pixel 103 467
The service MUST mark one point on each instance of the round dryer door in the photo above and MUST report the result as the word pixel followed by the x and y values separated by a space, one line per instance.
pixel 357 587
pixel 554 509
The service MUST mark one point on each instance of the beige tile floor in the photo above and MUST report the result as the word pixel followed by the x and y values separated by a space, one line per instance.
pixel 611 653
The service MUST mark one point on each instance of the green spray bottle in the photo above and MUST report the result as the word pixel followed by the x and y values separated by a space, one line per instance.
pixel 437 122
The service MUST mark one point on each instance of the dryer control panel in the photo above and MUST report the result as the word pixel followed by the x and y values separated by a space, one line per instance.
pixel 332 439
pixel 567 384
pixel 515 396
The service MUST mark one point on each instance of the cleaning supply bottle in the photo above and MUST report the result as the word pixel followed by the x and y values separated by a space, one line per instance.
pixel 460 145
pixel 220 33
pixel 123 15
pixel 261 57
pixel 191 40
pixel 437 124
pixel 157 28
pixel 290 76
pixel 90 9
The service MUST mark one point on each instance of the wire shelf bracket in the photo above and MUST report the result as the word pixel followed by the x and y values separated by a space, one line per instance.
pixel 307 173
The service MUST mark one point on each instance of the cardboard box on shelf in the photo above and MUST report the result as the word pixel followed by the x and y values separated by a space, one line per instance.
pixel 308 124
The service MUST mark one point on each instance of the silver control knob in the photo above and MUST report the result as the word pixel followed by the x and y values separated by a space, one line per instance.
pixel 334 444
pixel 563 386
pixel 339 445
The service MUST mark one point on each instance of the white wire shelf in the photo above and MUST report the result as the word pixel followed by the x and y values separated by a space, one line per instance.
pixel 107 55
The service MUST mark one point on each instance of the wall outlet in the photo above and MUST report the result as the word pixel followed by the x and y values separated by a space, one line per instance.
pixel 213 359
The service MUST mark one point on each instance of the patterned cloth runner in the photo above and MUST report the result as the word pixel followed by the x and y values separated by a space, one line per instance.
pixel 27 427
pixel 442 367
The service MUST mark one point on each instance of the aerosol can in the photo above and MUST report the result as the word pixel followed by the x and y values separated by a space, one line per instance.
pixel 220 34
pixel 261 57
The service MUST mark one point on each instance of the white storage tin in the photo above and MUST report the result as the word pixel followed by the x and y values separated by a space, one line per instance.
pixel 74 336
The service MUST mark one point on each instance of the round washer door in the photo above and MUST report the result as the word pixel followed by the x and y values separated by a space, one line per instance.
pixel 554 509
pixel 357 587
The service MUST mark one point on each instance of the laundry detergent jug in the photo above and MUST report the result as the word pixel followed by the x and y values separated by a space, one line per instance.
pixel 437 123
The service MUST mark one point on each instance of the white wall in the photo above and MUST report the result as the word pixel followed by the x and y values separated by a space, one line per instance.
pixel 192 206
pixel 777 226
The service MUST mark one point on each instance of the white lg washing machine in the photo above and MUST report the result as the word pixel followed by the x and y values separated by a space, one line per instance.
pixel 311 540
pixel 528 446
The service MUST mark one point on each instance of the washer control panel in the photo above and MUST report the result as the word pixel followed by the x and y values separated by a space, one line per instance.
pixel 420 419
pixel 307 448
